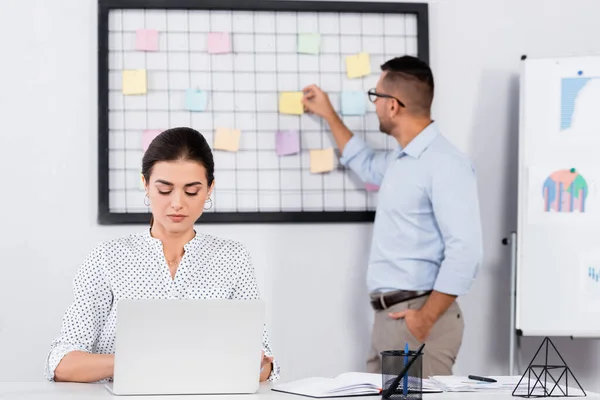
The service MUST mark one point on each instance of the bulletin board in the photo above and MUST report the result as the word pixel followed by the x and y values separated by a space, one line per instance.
pixel 234 71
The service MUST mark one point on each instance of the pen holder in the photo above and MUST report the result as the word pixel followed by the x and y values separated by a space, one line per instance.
pixel 410 385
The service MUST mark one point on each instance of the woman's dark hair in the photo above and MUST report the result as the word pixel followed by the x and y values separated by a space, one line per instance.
pixel 177 144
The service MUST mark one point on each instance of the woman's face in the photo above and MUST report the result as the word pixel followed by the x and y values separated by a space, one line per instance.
pixel 178 191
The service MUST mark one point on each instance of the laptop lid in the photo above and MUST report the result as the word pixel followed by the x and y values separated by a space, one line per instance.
pixel 188 346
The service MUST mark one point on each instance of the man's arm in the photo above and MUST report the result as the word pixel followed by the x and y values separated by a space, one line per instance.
pixel 455 205
pixel 368 164
pixel 341 134
pixel 436 304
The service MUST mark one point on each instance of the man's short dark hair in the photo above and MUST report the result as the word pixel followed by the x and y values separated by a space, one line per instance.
pixel 412 79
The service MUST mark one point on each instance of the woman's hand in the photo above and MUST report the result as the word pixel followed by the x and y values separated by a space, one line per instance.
pixel 265 366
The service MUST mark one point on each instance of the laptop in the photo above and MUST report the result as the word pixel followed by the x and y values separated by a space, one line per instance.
pixel 173 347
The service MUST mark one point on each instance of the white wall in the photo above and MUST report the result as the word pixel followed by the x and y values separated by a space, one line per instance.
pixel 312 275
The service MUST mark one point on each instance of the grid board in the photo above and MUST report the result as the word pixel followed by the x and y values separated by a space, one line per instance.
pixel 243 87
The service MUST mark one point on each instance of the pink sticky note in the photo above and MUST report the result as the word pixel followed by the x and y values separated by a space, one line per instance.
pixel 146 40
pixel 148 136
pixel 287 142
pixel 371 187
pixel 219 42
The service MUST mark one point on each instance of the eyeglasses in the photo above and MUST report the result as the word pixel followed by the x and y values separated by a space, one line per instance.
pixel 373 95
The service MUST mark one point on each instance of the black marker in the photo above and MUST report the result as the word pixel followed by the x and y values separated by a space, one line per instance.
pixel 482 378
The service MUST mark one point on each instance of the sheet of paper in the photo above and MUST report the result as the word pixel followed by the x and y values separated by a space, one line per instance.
pixel 287 142
pixel 134 81
pixel 358 65
pixel 148 136
pixel 227 139
pixel 195 100
pixel 291 103
pixel 219 42
pixel 309 43
pixel 353 103
pixel 146 40
pixel 321 160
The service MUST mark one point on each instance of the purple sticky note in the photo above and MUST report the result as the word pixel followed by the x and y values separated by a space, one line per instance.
pixel 146 40
pixel 287 142
pixel 371 187
pixel 148 136
pixel 219 42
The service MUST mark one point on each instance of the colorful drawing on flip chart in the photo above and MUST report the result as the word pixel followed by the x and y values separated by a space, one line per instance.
pixel 579 97
pixel 578 102
pixel 565 191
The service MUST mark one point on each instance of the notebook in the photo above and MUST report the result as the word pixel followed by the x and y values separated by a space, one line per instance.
pixel 345 385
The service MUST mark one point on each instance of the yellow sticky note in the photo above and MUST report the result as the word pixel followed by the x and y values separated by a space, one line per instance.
pixel 291 103
pixel 134 81
pixel 358 65
pixel 227 139
pixel 321 160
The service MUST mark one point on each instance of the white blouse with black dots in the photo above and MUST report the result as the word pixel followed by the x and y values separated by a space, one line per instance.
pixel 135 267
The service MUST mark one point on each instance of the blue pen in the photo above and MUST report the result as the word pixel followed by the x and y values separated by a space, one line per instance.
pixel 405 389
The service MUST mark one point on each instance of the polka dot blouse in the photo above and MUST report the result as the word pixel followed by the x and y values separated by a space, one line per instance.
pixel 135 267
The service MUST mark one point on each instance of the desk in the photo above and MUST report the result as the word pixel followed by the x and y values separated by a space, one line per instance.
pixel 91 391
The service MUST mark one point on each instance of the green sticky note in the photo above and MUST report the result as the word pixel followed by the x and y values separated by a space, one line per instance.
pixel 309 43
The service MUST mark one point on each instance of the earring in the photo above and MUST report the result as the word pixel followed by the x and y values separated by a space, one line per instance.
pixel 210 206
pixel 147 203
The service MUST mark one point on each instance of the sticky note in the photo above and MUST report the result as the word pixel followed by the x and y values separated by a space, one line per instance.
pixel 291 103
pixel 353 103
pixel 371 187
pixel 195 100
pixel 148 136
pixel 146 40
pixel 219 42
pixel 321 160
pixel 309 43
pixel 358 65
pixel 287 142
pixel 134 81
pixel 227 139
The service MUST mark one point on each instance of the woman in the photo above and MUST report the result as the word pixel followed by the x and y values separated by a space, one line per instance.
pixel 168 261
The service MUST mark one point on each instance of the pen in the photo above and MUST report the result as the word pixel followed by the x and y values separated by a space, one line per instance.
pixel 405 388
pixel 481 378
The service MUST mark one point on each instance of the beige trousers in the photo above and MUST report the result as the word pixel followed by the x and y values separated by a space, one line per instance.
pixel 441 347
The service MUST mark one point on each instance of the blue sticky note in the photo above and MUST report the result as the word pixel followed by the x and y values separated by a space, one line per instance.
pixel 195 100
pixel 353 103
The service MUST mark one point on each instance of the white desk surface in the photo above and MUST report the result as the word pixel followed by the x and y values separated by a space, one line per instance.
pixel 76 391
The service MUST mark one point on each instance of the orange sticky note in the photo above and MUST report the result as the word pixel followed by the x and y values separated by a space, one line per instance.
pixel 321 160
pixel 291 103
pixel 134 81
pixel 358 65
pixel 227 139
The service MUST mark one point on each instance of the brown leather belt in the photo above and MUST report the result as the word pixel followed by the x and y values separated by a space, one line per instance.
pixel 381 301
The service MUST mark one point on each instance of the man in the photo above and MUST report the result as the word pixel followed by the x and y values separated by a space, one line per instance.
pixel 426 247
